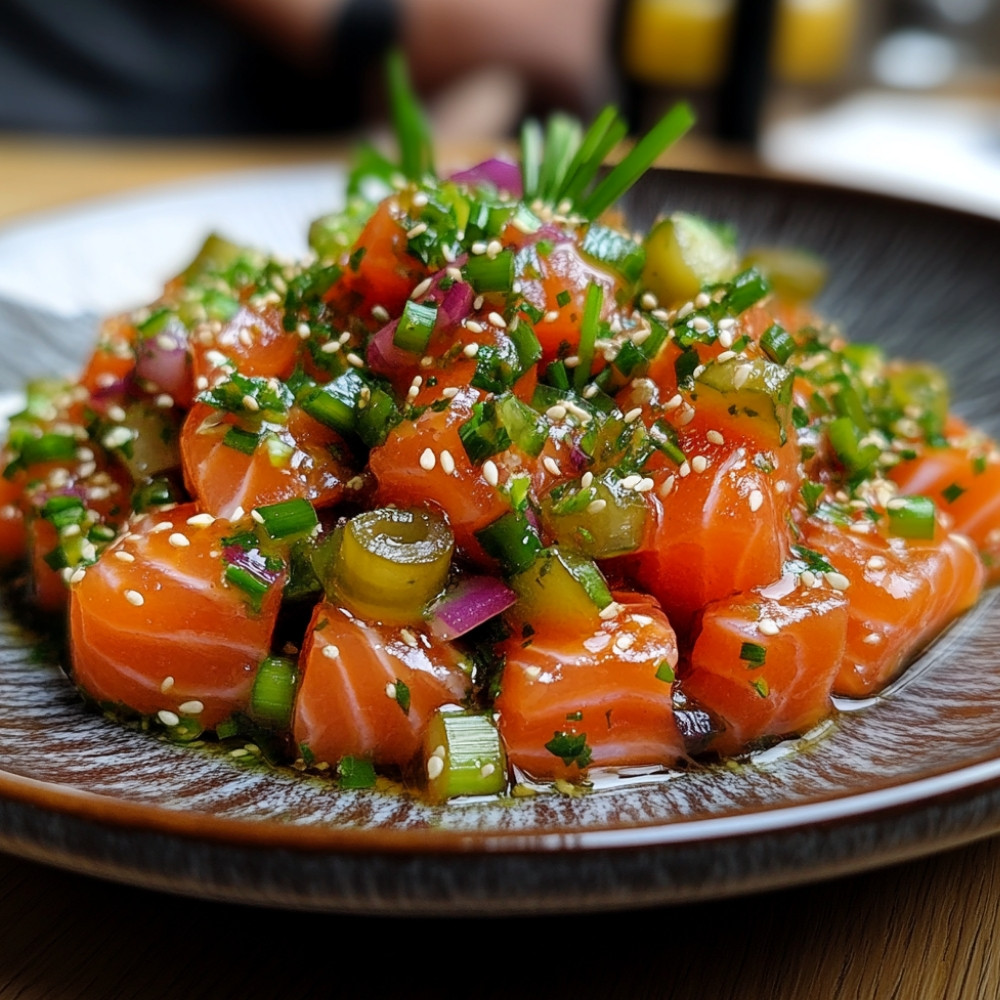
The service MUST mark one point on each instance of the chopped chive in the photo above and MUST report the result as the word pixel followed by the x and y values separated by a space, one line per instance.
pixel 665 672
pixel 482 434
pixel 356 772
pixel 588 335
pixel 532 144
pixel 746 290
pixel 953 492
pixel 607 130
pixel 512 541
pixel 415 326
pixel 490 274
pixel 570 748
pixel 416 151
pixel 640 158
pixel 911 517
pixel 273 692
pixel 777 343
pixel 563 299
pixel 811 493
pixel 402 695
pixel 979 465
pixel 562 140
pixel 241 440
pixel 617 250
pixel 290 517
pixel 753 653
pixel 61 512
pixel 760 686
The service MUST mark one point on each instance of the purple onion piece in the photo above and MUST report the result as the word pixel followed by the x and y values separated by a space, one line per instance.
pixel 383 356
pixel 252 561
pixel 457 303
pixel 163 360
pixel 474 601
pixel 500 174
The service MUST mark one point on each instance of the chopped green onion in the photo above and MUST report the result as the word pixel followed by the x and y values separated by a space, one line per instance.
pixel 356 772
pixel 911 517
pixel 760 685
pixel 588 335
pixel 512 541
pixel 416 324
pixel 952 492
pixel 571 748
pixel 241 440
pixel 777 343
pixel 463 755
pixel 746 290
pixel 62 512
pixel 753 653
pixel 617 250
pixel 288 518
pixel 273 693
pixel 525 428
pixel 665 672
pixel 482 434
pixel 412 132
pixel 490 274
pixel 402 695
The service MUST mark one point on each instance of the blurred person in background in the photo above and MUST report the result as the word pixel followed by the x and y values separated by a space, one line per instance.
pixel 271 67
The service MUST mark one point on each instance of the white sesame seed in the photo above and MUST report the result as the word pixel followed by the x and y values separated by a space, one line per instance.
pixel 117 437
pixel 726 355
pixel 725 341
pixel 487 770
pixel 135 598
pixel 715 437
pixel 303 330
pixel 497 320
pixel 633 414
pixel 470 350
pixel 493 248
pixel 645 485
pixel 78 575
pixel 409 638
pixel 610 611
pixel 330 347
pixel 166 684
pixel 193 707
pixel 435 767
pixel 684 470
pixel 673 402
pixel 837 580
pixel 586 479
pixel 702 300
pixel 380 313
pixel 556 412
pixel 427 459
pixel 474 327
pixel 354 360
pixel 238 514
pixel 699 463
pixel 179 541
pixel 123 556
pixel 648 301
pixel 168 718
pixel 490 472
pixel 390 690
pixel 685 310
pixel 116 413
pixel 596 506
pixel 756 500
pixel 551 465
pixel 418 230
pixel 420 199
pixel 201 520
pixel 331 652
pixel 551 316
pixel 741 375
pixel 768 626
pixel 667 488
pixel 701 324
pixel 421 288
pixel 624 641
pixel 630 482
pixel 872 639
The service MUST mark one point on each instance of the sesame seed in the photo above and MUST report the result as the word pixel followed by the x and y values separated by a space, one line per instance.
pixel 630 482
pixel 251 404
pixel 166 684
pixel 715 437
pixel 624 642
pixel 699 463
pixel 487 770
pixel 700 324
pixel 756 500
pixel 586 479
pixel 741 375
pixel 648 301
pixel 435 767
pixel 168 718
pixel 179 541
pixel 685 310
pixel 702 300
pixel 726 355
pixel 633 414
pixel 610 611
pixel 493 248
pixel 331 652
pixel 380 313
pixel 474 327
pixel 872 639
pixel 420 199
pixel 768 626
pixel 123 556
pixel 478 248
pixel 673 402
pixel 201 520
pixel 837 580
pixel 684 470
pixel 450 392
pixel 135 598
pixel 668 485
pixel 354 360
pixel 330 347
pixel 551 316
pixel 596 506
pixel 418 230
pixel 116 437
pixel 490 472
pixel 238 514
pixel 556 412
pixel 497 320
pixel 590 391
pixel 572 361
pixel 447 462
pixel 116 413
pixel 470 350
pixel 421 288
pixel 390 690
pixel 78 575
pixel 193 707
pixel 552 465
pixel 808 578
pixel 645 485
pixel 726 341
pixel 427 459
pixel 477 302
pixel 303 330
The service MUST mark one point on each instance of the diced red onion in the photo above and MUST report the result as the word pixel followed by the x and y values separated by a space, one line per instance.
pixel 250 560
pixel 500 174
pixel 163 360
pixel 474 601
pixel 456 303
pixel 383 356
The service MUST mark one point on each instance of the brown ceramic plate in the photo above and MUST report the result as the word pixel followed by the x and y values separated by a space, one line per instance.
pixel 914 771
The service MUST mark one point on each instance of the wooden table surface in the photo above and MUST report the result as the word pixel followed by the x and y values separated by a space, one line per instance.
pixel 924 929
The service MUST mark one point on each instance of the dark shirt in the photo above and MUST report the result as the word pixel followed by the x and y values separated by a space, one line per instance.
pixel 152 67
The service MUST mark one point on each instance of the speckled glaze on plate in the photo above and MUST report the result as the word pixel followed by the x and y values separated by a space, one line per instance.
pixel 914 771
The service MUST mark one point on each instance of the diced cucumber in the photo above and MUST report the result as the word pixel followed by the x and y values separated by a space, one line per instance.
pixel 793 273
pixel 683 254
pixel 561 586
pixel 598 530
pixel 755 393
pixel 463 755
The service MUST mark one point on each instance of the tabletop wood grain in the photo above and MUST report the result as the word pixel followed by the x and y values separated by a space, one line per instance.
pixel 926 929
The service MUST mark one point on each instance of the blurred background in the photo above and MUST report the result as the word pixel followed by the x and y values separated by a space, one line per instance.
pixel 897 95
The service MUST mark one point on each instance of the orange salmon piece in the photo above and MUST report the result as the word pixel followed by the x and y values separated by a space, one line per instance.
pixel 606 690
pixel 766 664
pixel 901 594
pixel 296 463
pixel 369 690
pixel 155 627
